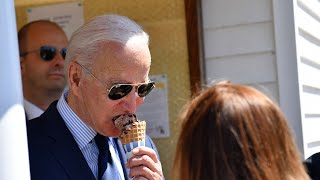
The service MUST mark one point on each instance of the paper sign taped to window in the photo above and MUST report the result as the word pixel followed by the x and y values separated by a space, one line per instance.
pixel 68 15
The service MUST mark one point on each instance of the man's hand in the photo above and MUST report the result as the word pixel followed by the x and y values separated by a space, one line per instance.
pixel 145 164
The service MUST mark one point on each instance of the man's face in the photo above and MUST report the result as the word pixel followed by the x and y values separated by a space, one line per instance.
pixel 114 65
pixel 38 75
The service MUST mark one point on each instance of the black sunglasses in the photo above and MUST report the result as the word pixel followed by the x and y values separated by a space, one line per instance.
pixel 119 91
pixel 47 53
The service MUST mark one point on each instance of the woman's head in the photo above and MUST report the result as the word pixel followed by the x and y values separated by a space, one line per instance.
pixel 235 132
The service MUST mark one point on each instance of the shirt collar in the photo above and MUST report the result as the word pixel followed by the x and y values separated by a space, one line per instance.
pixel 31 110
pixel 82 133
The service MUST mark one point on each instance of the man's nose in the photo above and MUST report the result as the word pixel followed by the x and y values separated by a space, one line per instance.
pixel 130 101
pixel 58 59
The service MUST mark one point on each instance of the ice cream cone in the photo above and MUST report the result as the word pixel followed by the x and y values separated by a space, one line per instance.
pixel 134 138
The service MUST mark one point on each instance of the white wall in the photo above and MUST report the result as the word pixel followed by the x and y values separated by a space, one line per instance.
pixel 14 161
pixel 239 43
pixel 287 70
pixel 272 45
pixel 307 21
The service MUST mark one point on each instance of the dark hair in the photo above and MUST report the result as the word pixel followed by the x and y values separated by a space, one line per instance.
pixel 235 132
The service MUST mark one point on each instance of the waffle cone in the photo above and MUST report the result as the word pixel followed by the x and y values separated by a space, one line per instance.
pixel 137 133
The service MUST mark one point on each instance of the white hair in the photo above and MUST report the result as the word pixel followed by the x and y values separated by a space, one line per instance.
pixel 89 39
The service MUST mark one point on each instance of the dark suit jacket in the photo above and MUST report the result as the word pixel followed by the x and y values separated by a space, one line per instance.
pixel 313 166
pixel 53 152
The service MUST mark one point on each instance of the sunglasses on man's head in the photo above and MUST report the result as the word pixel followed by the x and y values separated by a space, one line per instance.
pixel 119 91
pixel 47 53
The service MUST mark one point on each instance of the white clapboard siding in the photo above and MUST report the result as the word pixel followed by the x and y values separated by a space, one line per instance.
pixel 307 49
pixel 308 23
pixel 239 40
pixel 268 88
pixel 311 134
pixel 220 13
pixel 311 101
pixel 246 69
pixel 307 20
pixel 312 122
pixel 311 74
pixel 239 43
pixel 310 6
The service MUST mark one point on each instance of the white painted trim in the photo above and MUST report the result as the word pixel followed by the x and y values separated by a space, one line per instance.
pixel 286 59
pixel 14 161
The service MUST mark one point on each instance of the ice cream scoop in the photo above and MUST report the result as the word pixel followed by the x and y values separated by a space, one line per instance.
pixel 125 123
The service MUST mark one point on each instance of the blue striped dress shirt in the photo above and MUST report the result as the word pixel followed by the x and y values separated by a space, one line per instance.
pixel 83 135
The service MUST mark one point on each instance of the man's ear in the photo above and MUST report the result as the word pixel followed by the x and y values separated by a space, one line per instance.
pixel 74 77
pixel 22 65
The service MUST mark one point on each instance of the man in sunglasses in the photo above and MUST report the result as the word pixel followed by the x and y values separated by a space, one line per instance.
pixel 42 46
pixel 107 65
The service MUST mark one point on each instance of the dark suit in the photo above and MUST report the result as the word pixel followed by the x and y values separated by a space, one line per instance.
pixel 313 166
pixel 53 152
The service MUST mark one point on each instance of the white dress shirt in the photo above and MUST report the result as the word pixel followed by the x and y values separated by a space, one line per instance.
pixel 31 110
pixel 84 136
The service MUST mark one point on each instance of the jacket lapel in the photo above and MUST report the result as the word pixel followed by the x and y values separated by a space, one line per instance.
pixel 63 147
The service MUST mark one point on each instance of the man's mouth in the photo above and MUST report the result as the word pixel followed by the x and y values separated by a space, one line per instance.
pixel 57 74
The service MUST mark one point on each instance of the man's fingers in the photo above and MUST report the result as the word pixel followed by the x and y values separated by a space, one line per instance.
pixel 139 178
pixel 145 160
pixel 140 172
pixel 145 163
pixel 139 151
